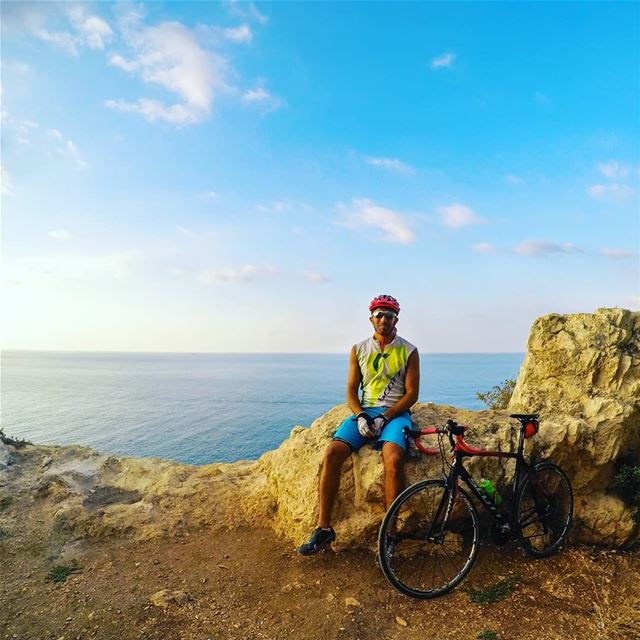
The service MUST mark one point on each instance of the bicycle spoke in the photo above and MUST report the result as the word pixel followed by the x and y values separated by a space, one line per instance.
pixel 419 565
pixel 544 508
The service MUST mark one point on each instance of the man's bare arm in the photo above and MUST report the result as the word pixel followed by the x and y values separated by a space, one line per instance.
pixel 411 388
pixel 354 378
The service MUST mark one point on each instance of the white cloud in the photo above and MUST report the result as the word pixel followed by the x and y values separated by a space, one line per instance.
pixel 444 60
pixel 541 247
pixel 238 34
pixel 634 302
pixel 483 247
pixel 210 195
pixel 230 275
pixel 513 179
pixel 613 169
pixel 22 128
pixel 92 30
pixel 15 66
pixel 246 10
pixel 154 110
pixel 170 56
pixel 316 278
pixel 458 215
pixel 59 234
pixel 365 213
pixel 186 232
pixel 613 192
pixel 6 182
pixel 617 253
pixel 61 39
pixel 285 206
pixel 81 267
pixel 391 164
pixel 67 147
pixel 86 30
pixel 263 98
pixel 116 60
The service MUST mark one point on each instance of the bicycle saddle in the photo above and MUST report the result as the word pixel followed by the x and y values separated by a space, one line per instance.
pixel 525 416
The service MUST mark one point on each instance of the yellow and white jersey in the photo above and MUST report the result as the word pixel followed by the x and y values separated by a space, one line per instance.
pixel 383 372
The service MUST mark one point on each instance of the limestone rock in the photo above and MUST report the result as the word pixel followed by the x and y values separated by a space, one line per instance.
pixel 165 598
pixel 6 454
pixel 604 519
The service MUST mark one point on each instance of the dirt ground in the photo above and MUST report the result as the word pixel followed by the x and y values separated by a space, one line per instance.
pixel 247 584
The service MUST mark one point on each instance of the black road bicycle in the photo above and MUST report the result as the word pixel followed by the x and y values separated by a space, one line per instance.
pixel 430 534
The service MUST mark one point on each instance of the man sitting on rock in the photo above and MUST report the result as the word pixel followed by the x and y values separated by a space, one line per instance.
pixel 387 368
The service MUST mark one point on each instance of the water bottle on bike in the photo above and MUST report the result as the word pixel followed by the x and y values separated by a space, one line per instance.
pixel 490 490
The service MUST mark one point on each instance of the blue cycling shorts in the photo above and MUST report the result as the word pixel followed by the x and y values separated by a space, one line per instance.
pixel 393 432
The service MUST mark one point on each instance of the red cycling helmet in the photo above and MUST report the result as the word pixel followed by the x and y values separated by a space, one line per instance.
pixel 386 302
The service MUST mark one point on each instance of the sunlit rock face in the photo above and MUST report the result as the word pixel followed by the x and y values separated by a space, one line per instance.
pixel 581 373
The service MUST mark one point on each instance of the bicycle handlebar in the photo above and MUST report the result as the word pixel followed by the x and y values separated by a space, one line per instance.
pixel 451 428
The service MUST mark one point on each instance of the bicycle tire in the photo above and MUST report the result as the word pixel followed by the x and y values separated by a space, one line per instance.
pixel 544 510
pixel 462 532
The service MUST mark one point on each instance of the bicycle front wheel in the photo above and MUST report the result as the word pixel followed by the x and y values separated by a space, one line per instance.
pixel 428 539
pixel 544 510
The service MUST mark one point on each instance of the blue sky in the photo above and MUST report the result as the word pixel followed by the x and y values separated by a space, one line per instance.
pixel 246 177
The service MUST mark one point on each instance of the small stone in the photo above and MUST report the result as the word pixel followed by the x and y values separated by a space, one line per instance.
pixel 138 564
pixel 164 598
pixel 401 621
pixel 203 580
pixel 351 602
pixel 330 597
pixel 223 566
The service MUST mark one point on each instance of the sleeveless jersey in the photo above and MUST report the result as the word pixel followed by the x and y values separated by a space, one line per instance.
pixel 383 373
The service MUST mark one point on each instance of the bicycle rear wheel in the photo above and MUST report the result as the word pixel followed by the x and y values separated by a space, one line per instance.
pixel 421 554
pixel 544 510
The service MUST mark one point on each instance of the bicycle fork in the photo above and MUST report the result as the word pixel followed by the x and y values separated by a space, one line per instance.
pixel 445 505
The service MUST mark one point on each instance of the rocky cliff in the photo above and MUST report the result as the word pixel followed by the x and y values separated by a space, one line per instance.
pixel 581 372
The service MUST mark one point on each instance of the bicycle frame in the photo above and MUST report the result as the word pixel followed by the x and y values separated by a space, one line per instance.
pixel 461 450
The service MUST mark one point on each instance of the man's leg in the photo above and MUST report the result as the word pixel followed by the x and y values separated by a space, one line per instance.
pixel 335 455
pixel 394 481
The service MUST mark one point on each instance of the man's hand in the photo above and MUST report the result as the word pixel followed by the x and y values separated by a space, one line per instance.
pixel 370 427
pixel 379 423
pixel 366 425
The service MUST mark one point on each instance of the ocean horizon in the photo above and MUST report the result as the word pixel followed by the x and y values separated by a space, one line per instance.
pixel 199 407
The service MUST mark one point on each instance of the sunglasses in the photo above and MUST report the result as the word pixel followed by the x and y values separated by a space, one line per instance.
pixel 384 314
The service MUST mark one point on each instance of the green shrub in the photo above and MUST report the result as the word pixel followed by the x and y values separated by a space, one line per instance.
pixel 488 634
pixel 495 592
pixel 61 572
pixel 498 397
pixel 627 485
pixel 14 442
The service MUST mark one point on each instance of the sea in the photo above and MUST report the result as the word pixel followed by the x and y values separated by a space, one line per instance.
pixel 201 408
